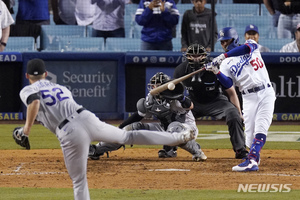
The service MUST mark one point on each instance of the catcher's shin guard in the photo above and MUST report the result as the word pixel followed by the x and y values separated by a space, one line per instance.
pixel 99 149
pixel 194 148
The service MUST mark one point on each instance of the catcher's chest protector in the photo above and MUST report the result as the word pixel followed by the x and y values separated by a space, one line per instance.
pixel 160 111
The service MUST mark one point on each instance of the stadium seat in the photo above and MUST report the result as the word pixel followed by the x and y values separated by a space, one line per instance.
pixel 176 44
pixel 132 29
pixel 20 44
pixel 52 34
pixel 275 44
pixel 236 10
pixel 83 44
pixel 122 44
pixel 263 23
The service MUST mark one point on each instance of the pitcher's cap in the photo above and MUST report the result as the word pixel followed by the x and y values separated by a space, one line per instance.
pixel 36 67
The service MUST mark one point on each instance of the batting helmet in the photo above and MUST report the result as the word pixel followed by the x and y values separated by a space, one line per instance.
pixel 196 55
pixel 228 33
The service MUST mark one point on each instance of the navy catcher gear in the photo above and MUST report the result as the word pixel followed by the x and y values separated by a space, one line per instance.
pixel 228 33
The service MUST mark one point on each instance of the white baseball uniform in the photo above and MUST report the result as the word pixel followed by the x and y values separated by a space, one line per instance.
pixel 250 75
pixel 5 17
pixel 76 128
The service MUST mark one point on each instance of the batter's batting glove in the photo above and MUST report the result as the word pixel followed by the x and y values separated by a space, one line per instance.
pixel 218 60
pixel 212 68
pixel 20 138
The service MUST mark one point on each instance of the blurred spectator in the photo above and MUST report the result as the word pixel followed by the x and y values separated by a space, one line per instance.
pixel 295 45
pixel 251 32
pixel 64 12
pixel 289 17
pixel 196 27
pixel 33 12
pixel 85 12
pixel 272 7
pixel 9 4
pixel 5 21
pixel 247 1
pixel 109 19
pixel 207 1
pixel 158 19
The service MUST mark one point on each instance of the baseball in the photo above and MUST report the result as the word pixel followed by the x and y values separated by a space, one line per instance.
pixel 171 86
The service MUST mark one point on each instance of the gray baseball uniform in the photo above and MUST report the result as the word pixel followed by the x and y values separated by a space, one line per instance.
pixel 76 127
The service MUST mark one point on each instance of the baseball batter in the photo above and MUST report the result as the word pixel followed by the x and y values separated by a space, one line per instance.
pixel 244 67
pixel 76 127
pixel 209 99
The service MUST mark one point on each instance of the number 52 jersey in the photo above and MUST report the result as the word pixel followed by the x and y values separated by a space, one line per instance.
pixel 56 102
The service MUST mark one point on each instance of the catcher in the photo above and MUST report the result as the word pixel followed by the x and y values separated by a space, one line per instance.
pixel 168 106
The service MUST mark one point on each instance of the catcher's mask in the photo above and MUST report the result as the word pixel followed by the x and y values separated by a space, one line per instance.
pixel 196 55
pixel 158 79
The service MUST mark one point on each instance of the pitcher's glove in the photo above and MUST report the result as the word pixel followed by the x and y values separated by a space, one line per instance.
pixel 20 138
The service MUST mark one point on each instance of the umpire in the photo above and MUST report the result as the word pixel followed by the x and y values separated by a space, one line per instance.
pixel 206 93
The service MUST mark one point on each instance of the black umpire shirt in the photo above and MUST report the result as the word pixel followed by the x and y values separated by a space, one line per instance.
pixel 204 87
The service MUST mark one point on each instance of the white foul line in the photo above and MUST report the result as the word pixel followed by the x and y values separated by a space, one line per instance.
pixel 31 173
pixel 169 170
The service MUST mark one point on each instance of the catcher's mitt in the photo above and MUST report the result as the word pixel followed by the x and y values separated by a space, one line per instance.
pixel 20 138
pixel 177 93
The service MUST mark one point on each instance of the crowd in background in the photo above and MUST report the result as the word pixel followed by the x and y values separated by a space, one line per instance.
pixel 158 20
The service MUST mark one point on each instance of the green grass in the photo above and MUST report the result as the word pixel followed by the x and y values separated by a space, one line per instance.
pixel 115 194
pixel 41 138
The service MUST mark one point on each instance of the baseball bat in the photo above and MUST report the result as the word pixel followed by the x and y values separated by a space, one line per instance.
pixel 164 87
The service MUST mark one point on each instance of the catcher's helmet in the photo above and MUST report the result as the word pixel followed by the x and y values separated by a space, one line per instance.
pixel 158 79
pixel 228 33
pixel 196 55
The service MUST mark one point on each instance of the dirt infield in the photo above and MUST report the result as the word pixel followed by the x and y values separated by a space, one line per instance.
pixel 137 168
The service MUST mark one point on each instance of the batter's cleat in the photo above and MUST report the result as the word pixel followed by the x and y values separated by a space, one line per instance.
pixel 167 154
pixel 241 154
pixel 200 156
pixel 247 166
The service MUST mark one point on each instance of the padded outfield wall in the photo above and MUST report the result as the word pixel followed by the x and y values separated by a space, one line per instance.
pixel 109 84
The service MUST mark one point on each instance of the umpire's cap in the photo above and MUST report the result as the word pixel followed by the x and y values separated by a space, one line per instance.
pixel 36 67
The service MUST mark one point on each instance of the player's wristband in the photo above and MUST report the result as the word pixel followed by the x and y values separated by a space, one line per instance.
pixel 3 44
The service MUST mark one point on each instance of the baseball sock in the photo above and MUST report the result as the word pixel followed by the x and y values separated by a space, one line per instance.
pixel 258 143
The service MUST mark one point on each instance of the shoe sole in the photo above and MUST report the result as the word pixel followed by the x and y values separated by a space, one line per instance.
pixel 253 168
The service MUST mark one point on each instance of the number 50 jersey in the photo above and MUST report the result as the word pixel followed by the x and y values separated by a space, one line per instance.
pixel 56 102
pixel 246 71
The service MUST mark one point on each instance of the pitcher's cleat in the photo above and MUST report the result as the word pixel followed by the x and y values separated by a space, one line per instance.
pixel 246 166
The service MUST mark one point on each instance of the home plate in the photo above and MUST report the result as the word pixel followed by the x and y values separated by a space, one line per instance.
pixel 169 170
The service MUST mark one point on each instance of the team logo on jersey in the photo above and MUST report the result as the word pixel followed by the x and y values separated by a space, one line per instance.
pixel 236 70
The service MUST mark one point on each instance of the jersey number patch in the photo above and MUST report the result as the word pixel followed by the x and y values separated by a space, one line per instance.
pixel 256 64
pixel 46 94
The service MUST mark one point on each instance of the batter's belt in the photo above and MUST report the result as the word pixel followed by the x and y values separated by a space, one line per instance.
pixel 256 89
pixel 67 121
